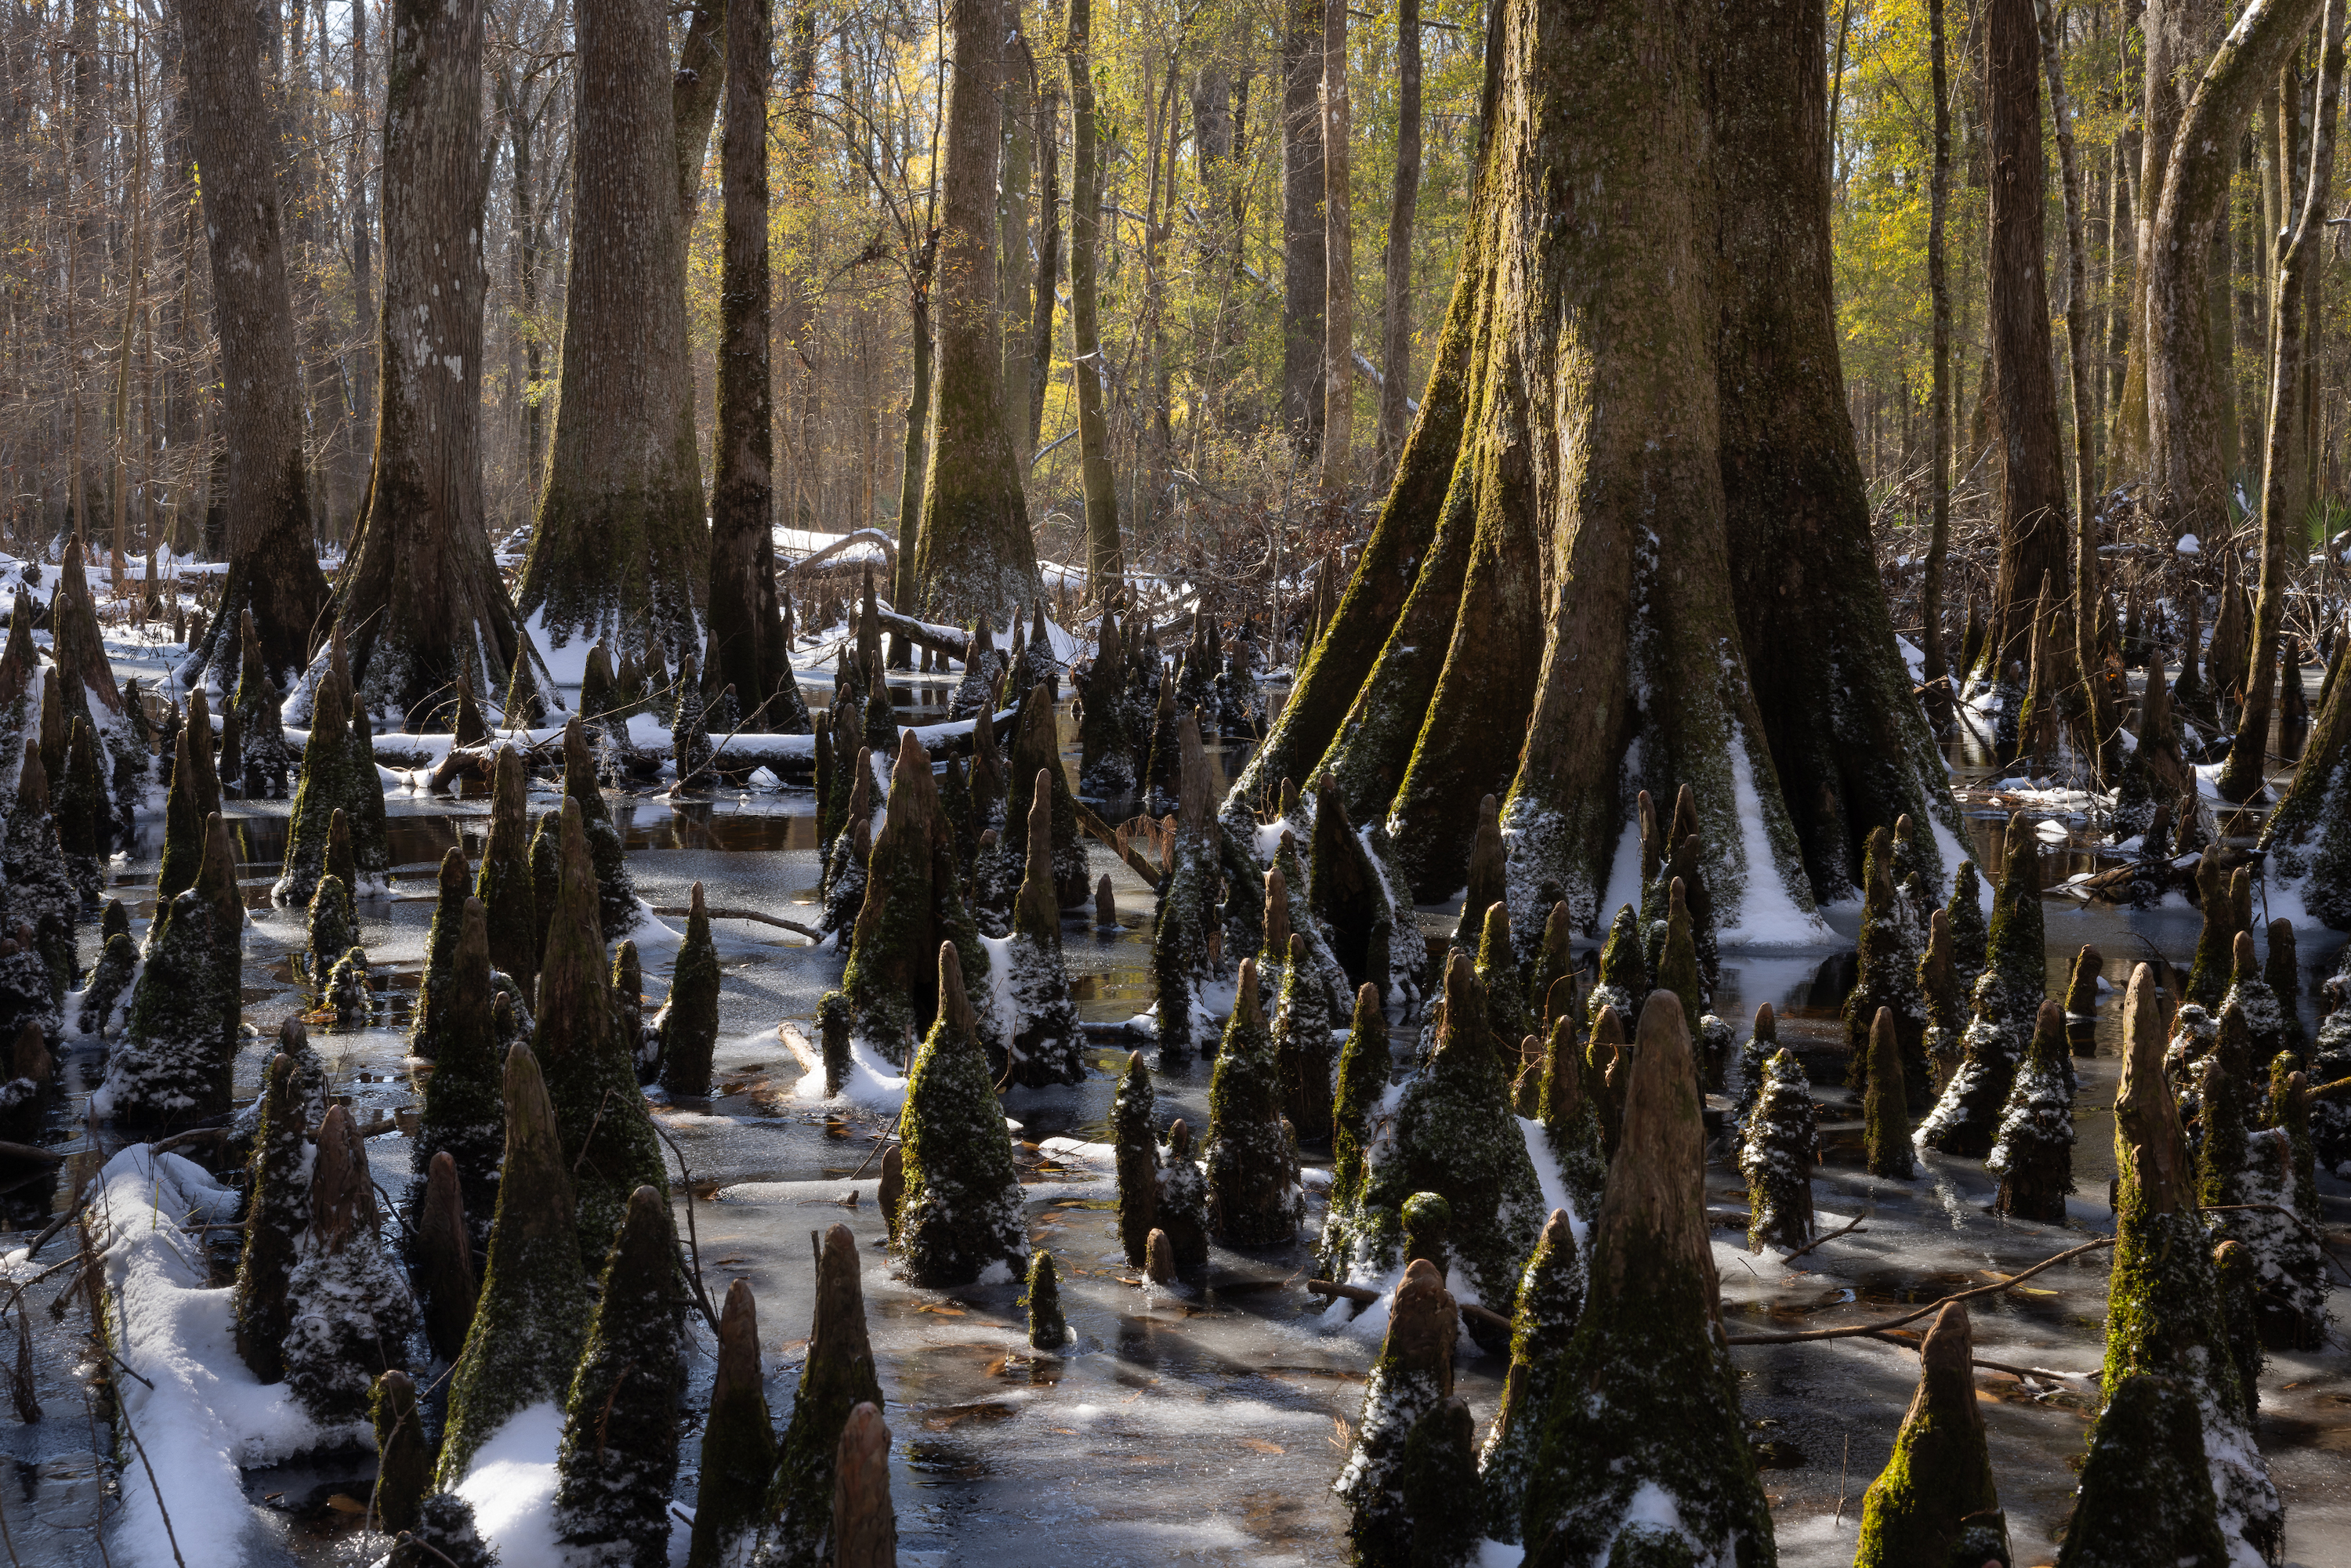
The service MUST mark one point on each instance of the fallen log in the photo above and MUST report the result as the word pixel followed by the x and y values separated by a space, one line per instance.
pixel 810 932
pixel 1367 1296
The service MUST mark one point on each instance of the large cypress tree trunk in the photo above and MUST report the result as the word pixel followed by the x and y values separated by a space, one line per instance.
pixel 1847 738
pixel 620 550
pixel 1103 558
pixel 421 603
pixel 272 567
pixel 747 649
pixel 2033 538
pixel 975 552
pixel 1304 268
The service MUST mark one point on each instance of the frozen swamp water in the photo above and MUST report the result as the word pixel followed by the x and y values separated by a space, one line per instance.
pixel 1185 1427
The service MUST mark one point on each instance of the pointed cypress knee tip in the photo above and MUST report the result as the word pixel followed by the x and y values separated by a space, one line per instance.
pixel 1245 1003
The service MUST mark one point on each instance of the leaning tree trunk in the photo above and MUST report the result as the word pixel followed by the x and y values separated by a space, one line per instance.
pixel 1103 558
pixel 2243 774
pixel 748 648
pixel 2184 384
pixel 1812 617
pixel 1304 265
pixel 621 551
pixel 2033 538
pixel 421 603
pixel 975 554
pixel 272 567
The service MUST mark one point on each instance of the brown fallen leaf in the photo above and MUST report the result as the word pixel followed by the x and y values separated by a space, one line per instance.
pixel 342 1504
pixel 1261 1445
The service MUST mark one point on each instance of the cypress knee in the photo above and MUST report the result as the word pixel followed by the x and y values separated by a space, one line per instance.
pixel 837 1378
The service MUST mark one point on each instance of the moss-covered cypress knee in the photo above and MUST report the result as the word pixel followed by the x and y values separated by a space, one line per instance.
pixel 338 774
pixel 961 1215
pixel 590 1076
pixel 1885 1108
pixel 836 1376
pixel 2034 1155
pixel 40 892
pixel 1606 1064
pixel 1439 1480
pixel 350 1311
pixel 1138 1158
pixel 1888 979
pixel 1498 972
pixel 1624 973
pixel 1301 1039
pixel 109 978
pixel 1412 1376
pixel 277 1210
pixel 1365 1064
pixel 911 905
pixel 334 929
pixel 1571 1119
pixel 1971 936
pixel 2208 973
pixel 1940 1471
pixel 1254 1199
pixel 2146 1494
pixel 2082 1002
pixel 179 1046
pixel 1777 1156
pixel 1672 1433
pixel 440 953
pixel 1047 1045
pixel 2008 996
pixel 629 1012
pixel 687 1026
pixel 1183 1204
pixel 2284 973
pixel 1487 876
pixel 444 1260
pixel 403 1465
pixel 738 1440
pixel 618 1459
pixel 1551 1299
pixel 503 882
pixel 462 1115
pixel 2250 994
pixel 865 1529
pixel 1048 1330
pixel 616 892
pixel 532 1314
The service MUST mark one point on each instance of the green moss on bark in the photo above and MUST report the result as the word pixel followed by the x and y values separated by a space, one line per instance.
pixel 962 1210
pixel 1542 1324
pixel 688 1023
pixel 1940 1470
pixel 837 1378
pixel 738 1440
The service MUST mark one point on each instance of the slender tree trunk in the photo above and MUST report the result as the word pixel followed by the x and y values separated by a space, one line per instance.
pixel 975 552
pixel 1339 262
pixel 794 334
pixel 1014 276
pixel 621 551
pixel 1937 667
pixel 1304 270
pixel 2186 394
pixel 1049 255
pixel 421 603
pixel 747 649
pixel 1395 345
pixel 1103 554
pixel 2033 538
pixel 695 88
pixel 273 565
pixel 364 309
pixel 2087 589
pixel 2283 543
pixel 915 465
pixel 1813 618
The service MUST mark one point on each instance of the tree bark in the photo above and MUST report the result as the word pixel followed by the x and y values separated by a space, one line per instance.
pixel 748 648
pixel 1304 272
pixel 421 603
pixel 621 551
pixel 2284 541
pixel 2034 538
pixel 1049 253
pixel 1937 666
pixel 1013 277
pixel 694 90
pixel 1396 328
pixel 1337 452
pixel 2087 587
pixel 1812 617
pixel 272 567
pixel 1103 554
pixel 975 552
pixel 2184 387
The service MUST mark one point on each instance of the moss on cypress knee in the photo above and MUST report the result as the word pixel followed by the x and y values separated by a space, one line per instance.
pixel 2146 1493
pixel 1183 1204
pixel 1570 1118
pixel 1498 973
pixel 179 1044
pixel 1137 1157
pixel 350 1311
pixel 618 1459
pixel 1940 1470
pixel 338 774
pixel 1885 1107
pixel 1413 1374
pixel 1888 978
pixel 440 951
pixel 1047 1045
pixel 503 884
pixel 1646 1397
pixel 2208 973
pixel 962 1210
pixel 40 892
pixel 532 1313
pixel 2033 1156
pixel 1776 1157
pixel 1624 973
pixel 836 1376
pixel 1551 1299
pixel 738 1440
pixel 334 929
pixel 1971 937
pixel 463 1113
pixel 1254 1199
pixel 1301 1039
pixel 278 1208
pixel 2008 996
pixel 688 1022
pixel 1048 1330
pixel 911 905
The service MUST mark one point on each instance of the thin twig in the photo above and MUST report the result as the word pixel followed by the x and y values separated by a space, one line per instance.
pixel 1832 1236
pixel 123 1409
pixel 1860 1331
pixel 693 1241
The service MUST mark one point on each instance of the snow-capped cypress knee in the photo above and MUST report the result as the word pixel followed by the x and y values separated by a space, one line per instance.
pixel 531 1315
pixel 334 929
pixel 40 892
pixel 349 1310
pixel 1254 1199
pixel 1183 1207
pixel 2146 1494
pixel 1412 1376
pixel 109 978
pixel 1647 1407
pixel 1550 1300
pixel 618 1460
pixel 463 1114
pixel 1888 979
pixel 1624 973
pixel 1885 1108
pixel 337 773
pixel 687 1025
pixel 2033 1156
pixel 443 1260
pixel 1137 1158
pixel 1048 1047
pixel 1048 1330
pixel 1940 1470
pixel 503 884
pixel 179 1046
pixel 404 1464
pixel 2008 996
pixel 1301 1039
pixel 277 1210
pixel 961 1215
pixel 738 1440
pixel 2250 994
pixel 836 1376
pixel 1777 1156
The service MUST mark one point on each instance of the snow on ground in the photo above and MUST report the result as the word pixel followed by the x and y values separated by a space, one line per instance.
pixel 511 1485
pixel 206 1416
pixel 872 1083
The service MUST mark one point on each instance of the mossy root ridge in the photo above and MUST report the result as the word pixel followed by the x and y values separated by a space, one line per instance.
pixel 962 1210
pixel 836 1376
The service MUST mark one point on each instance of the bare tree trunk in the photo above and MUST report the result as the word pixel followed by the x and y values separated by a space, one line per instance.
pixel 794 333
pixel 273 565
pixel 1396 345
pixel 1102 553
pixel 1304 270
pixel 1936 667
pixel 621 551
pixel 1049 255
pixel 421 603
pixel 1811 615
pixel 363 310
pixel 2033 538
pixel 2284 542
pixel 694 90
pixel 1339 261
pixel 1013 275
pixel 975 552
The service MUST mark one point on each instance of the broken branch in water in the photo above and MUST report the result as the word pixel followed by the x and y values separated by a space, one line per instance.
pixel 1859 1331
